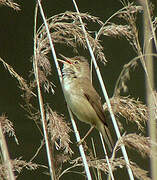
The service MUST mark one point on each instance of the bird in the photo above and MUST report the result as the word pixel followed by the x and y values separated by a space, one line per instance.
pixel 81 96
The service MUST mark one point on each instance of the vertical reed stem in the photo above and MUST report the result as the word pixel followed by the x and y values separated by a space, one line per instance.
pixel 5 156
pixel 42 111
pixel 150 87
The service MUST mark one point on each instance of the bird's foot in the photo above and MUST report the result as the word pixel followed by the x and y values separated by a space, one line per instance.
pixel 83 139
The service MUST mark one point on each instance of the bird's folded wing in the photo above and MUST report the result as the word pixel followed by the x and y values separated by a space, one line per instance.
pixel 95 101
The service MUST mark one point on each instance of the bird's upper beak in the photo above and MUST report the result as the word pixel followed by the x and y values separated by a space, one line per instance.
pixel 65 61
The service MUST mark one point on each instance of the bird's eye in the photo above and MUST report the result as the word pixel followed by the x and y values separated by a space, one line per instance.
pixel 76 62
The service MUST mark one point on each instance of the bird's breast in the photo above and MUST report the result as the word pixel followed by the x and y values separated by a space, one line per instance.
pixel 79 104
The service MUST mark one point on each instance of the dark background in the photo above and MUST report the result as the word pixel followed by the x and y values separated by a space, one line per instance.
pixel 16 48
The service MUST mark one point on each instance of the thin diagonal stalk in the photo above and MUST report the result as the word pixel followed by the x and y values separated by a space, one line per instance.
pixel 107 21
pixel 107 159
pixel 42 111
pixel 128 66
pixel 5 156
pixel 105 95
pixel 60 78
pixel 150 86
pixel 98 176
pixel 80 146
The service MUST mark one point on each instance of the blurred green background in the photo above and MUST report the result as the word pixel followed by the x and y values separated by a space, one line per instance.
pixel 16 48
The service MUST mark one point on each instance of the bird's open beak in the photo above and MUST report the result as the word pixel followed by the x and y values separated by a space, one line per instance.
pixel 66 60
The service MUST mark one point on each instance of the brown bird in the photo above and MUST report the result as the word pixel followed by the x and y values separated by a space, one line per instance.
pixel 81 96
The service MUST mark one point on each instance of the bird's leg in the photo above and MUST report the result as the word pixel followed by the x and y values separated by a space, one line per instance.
pixel 90 130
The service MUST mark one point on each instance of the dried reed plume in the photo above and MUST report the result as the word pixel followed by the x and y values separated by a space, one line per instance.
pixel 7 127
pixel 101 164
pixel 117 31
pixel 22 82
pixel 129 13
pixel 66 29
pixel 58 130
pixel 139 143
pixel 11 4
pixel 18 166
pixel 130 109
pixel 124 77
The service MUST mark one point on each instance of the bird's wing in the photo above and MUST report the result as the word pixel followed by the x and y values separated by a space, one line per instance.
pixel 94 99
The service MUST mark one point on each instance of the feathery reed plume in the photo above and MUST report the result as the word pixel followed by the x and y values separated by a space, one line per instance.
pixel 66 29
pixel 129 108
pixel 11 4
pixel 58 130
pixel 128 31
pixel 155 23
pixel 101 164
pixel 115 30
pixel 22 82
pixel 7 127
pixel 124 77
pixel 5 157
pixel 138 172
pixel 18 165
pixel 140 144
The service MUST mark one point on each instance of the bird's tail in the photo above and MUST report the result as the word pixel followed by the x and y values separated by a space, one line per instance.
pixel 106 135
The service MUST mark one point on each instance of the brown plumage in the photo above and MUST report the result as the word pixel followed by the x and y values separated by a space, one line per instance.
pixel 81 96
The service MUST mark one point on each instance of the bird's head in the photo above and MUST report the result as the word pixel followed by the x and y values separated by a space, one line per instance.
pixel 77 66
